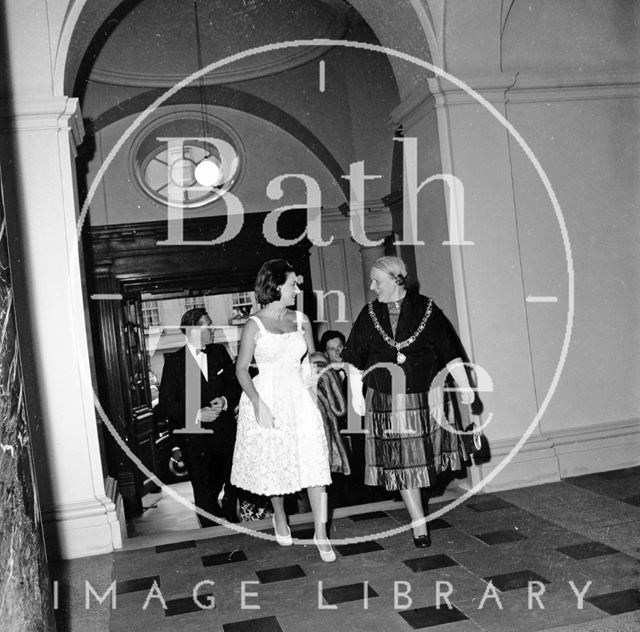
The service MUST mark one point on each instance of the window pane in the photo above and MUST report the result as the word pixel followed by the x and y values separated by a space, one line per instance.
pixel 192 302
pixel 150 314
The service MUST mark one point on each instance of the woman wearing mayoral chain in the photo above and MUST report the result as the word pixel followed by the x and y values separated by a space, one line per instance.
pixel 398 344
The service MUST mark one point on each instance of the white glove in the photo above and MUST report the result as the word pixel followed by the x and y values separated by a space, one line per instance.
pixel 355 388
pixel 358 404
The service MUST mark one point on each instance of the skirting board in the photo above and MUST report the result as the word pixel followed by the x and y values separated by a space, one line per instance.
pixel 589 449
pixel 549 457
pixel 80 529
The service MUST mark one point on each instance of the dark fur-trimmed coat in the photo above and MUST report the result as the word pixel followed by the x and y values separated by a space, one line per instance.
pixel 331 402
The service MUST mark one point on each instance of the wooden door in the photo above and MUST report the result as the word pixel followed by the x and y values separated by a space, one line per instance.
pixel 140 413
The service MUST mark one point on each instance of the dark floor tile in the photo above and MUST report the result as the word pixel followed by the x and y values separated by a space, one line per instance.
pixel 358 547
pixel 134 585
pixel 419 618
pixel 184 605
pixel 513 581
pixel 429 563
pixel 371 515
pixel 175 546
pixel 283 573
pixel 592 482
pixel 229 557
pixel 583 479
pixel 303 534
pixel 586 550
pixel 627 472
pixel 500 537
pixel 438 523
pixel 489 504
pixel 264 624
pixel 632 500
pixel 617 602
pixel 350 592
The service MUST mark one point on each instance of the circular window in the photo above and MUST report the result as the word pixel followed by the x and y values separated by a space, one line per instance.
pixel 186 159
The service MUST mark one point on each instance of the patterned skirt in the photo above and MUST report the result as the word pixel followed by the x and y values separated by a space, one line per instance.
pixel 407 448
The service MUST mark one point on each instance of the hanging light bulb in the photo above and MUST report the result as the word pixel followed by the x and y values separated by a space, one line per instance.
pixel 207 173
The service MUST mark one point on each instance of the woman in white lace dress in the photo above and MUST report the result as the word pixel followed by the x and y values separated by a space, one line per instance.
pixel 280 444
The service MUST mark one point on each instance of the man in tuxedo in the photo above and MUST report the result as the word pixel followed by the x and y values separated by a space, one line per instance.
pixel 198 396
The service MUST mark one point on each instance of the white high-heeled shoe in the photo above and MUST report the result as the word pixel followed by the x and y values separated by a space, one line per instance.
pixel 326 556
pixel 282 540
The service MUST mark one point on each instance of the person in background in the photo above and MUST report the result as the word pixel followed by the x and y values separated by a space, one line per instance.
pixel 331 344
pixel 207 456
pixel 406 448
pixel 332 404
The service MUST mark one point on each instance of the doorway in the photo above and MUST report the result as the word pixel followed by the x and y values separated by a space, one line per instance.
pixel 138 321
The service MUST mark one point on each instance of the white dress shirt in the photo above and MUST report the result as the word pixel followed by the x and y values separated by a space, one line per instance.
pixel 201 359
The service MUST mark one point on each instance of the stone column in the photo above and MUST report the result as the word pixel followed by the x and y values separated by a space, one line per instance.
pixel 378 226
pixel 26 596
pixel 40 135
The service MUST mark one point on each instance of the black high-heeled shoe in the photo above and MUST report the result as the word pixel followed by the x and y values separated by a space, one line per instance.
pixel 422 541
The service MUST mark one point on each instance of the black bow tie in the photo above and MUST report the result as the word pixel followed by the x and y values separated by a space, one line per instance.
pixel 201 350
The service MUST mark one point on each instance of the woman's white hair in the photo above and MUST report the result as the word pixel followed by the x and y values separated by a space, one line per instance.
pixel 394 267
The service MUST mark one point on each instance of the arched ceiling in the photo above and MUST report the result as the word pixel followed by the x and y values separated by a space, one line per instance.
pixel 156 43
pixel 404 26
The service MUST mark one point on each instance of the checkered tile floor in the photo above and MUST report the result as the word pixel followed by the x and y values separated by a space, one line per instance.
pixel 562 557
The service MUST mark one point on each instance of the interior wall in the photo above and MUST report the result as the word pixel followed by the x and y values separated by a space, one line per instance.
pixel 589 148
pixel 433 259
pixel 576 104
pixel 572 36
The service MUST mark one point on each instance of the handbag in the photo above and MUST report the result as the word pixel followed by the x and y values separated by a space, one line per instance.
pixel 472 438
pixel 455 417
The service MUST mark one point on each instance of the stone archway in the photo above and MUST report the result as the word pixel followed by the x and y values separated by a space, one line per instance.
pixel 409 27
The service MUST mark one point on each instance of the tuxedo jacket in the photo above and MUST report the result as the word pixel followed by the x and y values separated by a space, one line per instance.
pixel 180 369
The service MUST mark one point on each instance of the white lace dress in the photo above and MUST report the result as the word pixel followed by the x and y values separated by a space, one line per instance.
pixel 293 454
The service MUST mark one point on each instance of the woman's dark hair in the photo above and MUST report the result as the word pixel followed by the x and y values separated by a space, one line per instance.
pixel 272 274
pixel 330 334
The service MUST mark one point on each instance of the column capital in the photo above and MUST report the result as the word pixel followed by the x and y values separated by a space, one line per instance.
pixel 440 93
pixel 43 113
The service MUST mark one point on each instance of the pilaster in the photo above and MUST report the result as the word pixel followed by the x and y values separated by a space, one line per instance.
pixel 40 135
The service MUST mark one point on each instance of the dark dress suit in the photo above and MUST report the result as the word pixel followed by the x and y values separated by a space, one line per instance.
pixel 207 456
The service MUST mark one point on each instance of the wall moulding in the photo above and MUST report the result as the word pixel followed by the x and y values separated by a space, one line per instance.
pixel 564 453
pixel 441 92
pixel 88 527
pixel 530 88
pixel 515 88
pixel 41 114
